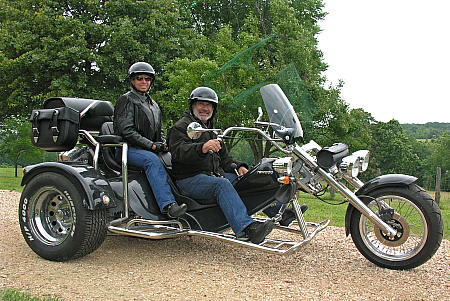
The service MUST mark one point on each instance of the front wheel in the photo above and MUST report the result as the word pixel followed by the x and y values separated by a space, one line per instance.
pixel 415 216
pixel 54 222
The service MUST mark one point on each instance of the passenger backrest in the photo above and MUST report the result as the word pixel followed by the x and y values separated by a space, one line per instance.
pixel 108 153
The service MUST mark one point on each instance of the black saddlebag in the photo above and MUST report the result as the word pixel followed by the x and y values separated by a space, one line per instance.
pixel 55 130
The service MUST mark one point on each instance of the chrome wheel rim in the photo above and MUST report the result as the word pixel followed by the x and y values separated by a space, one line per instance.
pixel 51 215
pixel 410 224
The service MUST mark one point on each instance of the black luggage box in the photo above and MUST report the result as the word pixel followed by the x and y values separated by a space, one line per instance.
pixel 93 112
pixel 55 130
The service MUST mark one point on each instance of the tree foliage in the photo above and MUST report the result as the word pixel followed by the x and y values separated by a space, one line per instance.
pixel 429 130
pixel 392 150
pixel 83 48
pixel 15 143
pixel 440 156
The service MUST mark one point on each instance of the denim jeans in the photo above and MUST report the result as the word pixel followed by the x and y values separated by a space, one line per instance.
pixel 155 172
pixel 202 186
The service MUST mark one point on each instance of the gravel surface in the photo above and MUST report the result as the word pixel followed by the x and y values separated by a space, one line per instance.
pixel 193 268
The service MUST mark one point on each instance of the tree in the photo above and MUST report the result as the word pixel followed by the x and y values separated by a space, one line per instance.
pixel 291 27
pixel 82 48
pixel 15 143
pixel 440 156
pixel 392 151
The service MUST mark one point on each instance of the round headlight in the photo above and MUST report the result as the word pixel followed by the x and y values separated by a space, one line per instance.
pixel 363 158
pixel 350 165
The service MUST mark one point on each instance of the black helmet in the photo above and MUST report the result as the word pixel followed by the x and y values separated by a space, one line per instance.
pixel 141 68
pixel 203 94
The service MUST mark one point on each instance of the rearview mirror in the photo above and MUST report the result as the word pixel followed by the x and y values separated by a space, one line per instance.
pixel 194 130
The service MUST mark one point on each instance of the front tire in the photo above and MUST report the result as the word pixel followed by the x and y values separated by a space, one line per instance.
pixel 416 218
pixel 54 222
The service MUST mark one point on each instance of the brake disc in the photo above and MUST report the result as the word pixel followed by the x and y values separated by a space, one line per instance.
pixel 399 224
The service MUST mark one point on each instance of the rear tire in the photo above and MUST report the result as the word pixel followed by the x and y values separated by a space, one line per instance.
pixel 54 222
pixel 417 219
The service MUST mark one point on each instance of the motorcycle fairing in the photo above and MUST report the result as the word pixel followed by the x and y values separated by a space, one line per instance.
pixel 281 112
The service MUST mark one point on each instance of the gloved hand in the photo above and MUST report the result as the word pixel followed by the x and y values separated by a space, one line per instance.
pixel 159 147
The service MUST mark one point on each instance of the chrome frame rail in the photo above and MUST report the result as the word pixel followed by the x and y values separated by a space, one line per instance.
pixel 171 229
pixel 124 172
pixel 153 229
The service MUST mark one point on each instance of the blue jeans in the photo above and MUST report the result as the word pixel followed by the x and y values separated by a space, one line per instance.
pixel 202 186
pixel 155 172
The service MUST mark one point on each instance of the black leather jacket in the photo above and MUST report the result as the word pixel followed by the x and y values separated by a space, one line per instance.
pixel 138 119
pixel 187 157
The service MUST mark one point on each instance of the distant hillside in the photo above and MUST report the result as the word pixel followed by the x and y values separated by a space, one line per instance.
pixel 428 130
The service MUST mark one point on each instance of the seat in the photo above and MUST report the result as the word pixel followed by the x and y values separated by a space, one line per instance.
pixel 108 153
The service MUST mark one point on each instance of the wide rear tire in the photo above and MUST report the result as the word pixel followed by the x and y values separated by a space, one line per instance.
pixel 417 219
pixel 54 222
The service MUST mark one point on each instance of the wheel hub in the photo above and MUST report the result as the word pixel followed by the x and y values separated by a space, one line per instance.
pixel 52 216
pixel 398 223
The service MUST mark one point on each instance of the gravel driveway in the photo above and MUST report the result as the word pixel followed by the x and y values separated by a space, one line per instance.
pixel 123 268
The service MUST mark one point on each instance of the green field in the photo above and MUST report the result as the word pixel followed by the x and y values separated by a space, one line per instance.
pixel 14 295
pixel 8 181
pixel 317 211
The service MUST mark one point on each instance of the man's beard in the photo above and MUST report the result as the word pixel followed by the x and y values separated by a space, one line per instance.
pixel 202 118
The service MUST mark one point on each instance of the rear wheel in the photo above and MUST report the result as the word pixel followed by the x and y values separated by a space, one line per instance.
pixel 54 222
pixel 415 216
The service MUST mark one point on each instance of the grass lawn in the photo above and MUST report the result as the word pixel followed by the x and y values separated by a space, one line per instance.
pixel 14 295
pixel 8 180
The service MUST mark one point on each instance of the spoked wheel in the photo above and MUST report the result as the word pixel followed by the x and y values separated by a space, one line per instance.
pixel 54 222
pixel 415 216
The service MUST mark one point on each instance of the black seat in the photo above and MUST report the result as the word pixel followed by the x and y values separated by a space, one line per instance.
pixel 108 153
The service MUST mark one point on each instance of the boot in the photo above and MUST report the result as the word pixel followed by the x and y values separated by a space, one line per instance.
pixel 257 231
pixel 174 210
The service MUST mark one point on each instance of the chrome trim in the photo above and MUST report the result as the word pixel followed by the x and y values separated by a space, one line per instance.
pixel 255 130
pixel 88 136
pixel 125 177
pixel 124 172
pixel 300 218
pixel 355 182
pixel 87 109
pixel 96 154
pixel 171 229
pixel 344 191
pixel 154 229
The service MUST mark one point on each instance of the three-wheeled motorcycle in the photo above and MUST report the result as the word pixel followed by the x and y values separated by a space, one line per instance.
pixel 68 207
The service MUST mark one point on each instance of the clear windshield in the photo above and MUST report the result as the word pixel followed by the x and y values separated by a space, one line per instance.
pixel 280 109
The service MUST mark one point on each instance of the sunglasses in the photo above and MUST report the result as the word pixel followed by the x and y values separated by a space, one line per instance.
pixel 146 78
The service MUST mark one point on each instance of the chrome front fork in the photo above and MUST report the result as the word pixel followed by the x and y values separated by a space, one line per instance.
pixel 345 192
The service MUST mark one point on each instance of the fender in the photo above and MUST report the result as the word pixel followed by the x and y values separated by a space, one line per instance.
pixel 94 184
pixel 375 183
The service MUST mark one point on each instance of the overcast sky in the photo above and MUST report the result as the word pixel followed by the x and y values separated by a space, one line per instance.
pixel 393 55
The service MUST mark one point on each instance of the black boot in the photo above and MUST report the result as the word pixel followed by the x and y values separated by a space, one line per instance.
pixel 289 215
pixel 174 210
pixel 257 231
